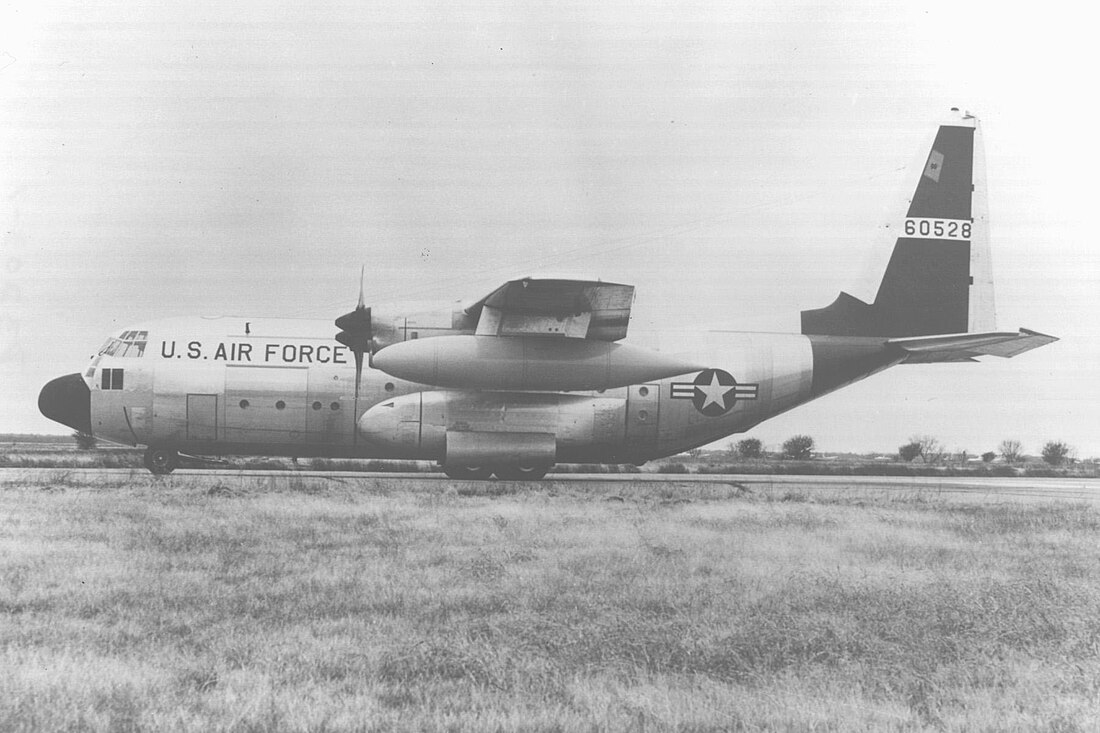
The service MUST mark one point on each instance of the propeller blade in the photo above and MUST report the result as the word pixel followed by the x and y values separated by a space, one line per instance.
pixel 357 320
pixel 356 332
pixel 356 341
pixel 358 376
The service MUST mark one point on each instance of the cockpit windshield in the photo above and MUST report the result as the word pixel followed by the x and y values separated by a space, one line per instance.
pixel 129 344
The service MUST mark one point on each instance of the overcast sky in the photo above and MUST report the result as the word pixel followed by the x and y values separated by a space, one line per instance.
pixel 737 162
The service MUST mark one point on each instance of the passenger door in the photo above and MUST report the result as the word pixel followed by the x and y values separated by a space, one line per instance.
pixel 202 417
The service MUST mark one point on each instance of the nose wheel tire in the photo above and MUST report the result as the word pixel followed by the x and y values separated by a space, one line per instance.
pixel 161 461
pixel 521 472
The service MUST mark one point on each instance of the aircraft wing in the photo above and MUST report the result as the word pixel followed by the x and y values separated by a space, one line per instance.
pixel 583 309
pixel 537 335
pixel 968 346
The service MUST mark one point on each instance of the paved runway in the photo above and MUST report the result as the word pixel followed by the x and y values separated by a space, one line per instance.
pixel 1021 488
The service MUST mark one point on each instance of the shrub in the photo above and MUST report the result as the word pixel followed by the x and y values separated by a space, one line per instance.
pixel 84 441
pixel 1055 452
pixel 909 451
pixel 988 456
pixel 750 448
pixel 930 448
pixel 1010 449
pixel 798 447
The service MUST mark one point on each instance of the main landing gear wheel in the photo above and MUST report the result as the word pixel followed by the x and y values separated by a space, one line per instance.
pixel 161 461
pixel 472 473
pixel 521 472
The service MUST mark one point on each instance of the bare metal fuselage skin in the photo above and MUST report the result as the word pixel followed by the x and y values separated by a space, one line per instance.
pixel 233 385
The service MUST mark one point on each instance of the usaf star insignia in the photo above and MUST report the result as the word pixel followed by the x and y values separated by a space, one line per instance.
pixel 713 392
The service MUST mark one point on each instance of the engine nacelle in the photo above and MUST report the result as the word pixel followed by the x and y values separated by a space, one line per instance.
pixel 479 428
pixel 526 363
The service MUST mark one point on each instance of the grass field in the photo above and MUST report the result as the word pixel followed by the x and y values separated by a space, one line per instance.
pixel 289 603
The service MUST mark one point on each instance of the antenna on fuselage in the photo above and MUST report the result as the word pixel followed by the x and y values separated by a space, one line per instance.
pixel 356 333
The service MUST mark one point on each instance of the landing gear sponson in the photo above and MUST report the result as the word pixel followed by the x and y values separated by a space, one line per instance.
pixel 505 473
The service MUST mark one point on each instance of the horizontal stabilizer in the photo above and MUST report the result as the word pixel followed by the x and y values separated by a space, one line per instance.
pixel 967 346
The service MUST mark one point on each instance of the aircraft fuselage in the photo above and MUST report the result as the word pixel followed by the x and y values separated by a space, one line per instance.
pixel 284 387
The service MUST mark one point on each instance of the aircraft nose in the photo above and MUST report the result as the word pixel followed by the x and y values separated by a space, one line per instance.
pixel 67 400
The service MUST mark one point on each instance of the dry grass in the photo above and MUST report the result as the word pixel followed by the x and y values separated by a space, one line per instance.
pixel 293 603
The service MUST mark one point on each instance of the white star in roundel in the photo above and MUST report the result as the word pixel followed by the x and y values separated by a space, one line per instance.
pixel 714 393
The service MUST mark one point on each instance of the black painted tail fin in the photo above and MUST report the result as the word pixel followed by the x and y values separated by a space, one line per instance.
pixel 938 280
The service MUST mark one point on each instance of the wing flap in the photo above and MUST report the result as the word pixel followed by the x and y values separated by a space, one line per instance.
pixel 562 308
pixel 968 346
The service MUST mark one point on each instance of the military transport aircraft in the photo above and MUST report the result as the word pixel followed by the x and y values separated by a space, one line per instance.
pixel 535 373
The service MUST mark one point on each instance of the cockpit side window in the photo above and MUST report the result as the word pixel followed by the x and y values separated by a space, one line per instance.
pixel 111 378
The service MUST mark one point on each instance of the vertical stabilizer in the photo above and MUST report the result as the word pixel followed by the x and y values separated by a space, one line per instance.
pixel 939 279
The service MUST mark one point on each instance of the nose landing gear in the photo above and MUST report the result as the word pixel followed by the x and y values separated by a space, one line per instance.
pixel 160 460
